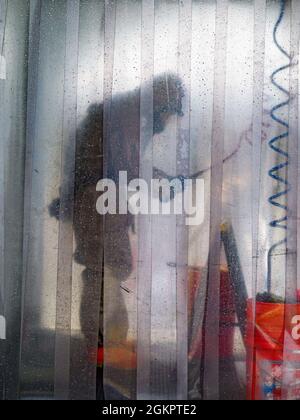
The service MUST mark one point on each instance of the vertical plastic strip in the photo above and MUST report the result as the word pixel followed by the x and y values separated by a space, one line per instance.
pixel 290 350
pixel 211 346
pixel 257 127
pixel 3 12
pixel 33 60
pixel 183 169
pixel 65 253
pixel 33 69
pixel 291 277
pixel 3 15
pixel 109 51
pixel 13 82
pixel 297 57
pixel 87 280
pixel 258 96
pixel 145 221
pixel 164 289
pixel 40 273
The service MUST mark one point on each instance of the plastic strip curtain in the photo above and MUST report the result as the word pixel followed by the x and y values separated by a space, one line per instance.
pixel 149 89
pixel 275 364
pixel 168 325
pixel 61 287
pixel 148 314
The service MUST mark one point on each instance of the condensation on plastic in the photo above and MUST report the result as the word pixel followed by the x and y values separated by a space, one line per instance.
pixel 42 181
pixel 237 188
pixel 284 282
pixel 121 153
pixel 145 221
pixel 13 45
pixel 159 284
pixel 87 279
pixel 183 169
pixel 212 320
pixel 3 17
pixel 164 262
pixel 58 345
pixel 202 88
pixel 292 258
pixel 174 297
pixel 66 213
pixel 257 130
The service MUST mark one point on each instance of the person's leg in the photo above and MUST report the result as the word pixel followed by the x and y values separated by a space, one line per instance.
pixel 104 321
pixel 91 310
pixel 91 318
pixel 110 312
pixel 115 311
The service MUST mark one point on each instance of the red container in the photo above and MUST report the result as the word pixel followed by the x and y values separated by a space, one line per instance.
pixel 273 342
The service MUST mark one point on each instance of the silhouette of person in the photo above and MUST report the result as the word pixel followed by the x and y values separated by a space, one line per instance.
pixel 121 150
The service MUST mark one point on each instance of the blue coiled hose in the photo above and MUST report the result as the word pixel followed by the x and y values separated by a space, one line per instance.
pixel 274 172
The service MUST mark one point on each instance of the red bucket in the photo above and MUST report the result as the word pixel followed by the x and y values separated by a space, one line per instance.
pixel 273 341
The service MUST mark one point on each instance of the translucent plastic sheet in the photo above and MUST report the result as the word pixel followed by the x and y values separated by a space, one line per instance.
pixel 47 53
pixel 143 306
pixel 231 63
pixel 61 285
pixel 13 45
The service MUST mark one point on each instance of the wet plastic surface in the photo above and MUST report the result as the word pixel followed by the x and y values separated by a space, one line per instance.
pixel 159 89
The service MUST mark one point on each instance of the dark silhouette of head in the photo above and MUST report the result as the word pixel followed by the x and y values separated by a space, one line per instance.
pixel 167 99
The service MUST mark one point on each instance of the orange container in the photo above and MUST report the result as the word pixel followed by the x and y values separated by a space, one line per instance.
pixel 273 341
